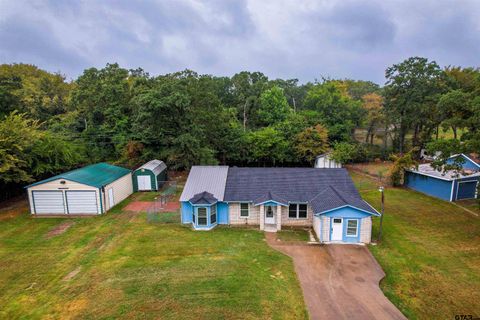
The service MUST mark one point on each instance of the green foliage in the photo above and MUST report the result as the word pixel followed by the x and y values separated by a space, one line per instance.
pixel 339 113
pixel 26 152
pixel 442 150
pixel 266 146
pixel 343 152
pixel 411 94
pixel 273 108
pixel 400 164
pixel 311 142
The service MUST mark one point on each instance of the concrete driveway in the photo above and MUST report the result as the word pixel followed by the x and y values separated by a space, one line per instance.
pixel 339 281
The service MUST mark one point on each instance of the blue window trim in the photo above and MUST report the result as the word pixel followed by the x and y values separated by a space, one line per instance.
pixel 356 229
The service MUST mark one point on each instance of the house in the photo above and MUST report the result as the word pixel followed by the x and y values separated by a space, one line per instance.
pixel 90 190
pixel 272 198
pixel 450 185
pixel 151 176
pixel 325 161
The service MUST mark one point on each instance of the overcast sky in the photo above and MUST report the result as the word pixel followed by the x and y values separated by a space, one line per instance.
pixel 286 39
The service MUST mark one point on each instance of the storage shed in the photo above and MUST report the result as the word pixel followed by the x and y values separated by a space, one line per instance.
pixel 90 190
pixel 449 185
pixel 325 161
pixel 151 176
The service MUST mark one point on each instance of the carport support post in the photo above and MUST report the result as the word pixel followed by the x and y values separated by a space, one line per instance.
pixel 381 189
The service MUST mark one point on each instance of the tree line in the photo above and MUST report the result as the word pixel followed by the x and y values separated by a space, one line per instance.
pixel 124 116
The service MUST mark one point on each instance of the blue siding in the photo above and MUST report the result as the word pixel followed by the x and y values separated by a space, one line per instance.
pixel 468 164
pixel 187 211
pixel 429 185
pixel 348 213
pixel 222 211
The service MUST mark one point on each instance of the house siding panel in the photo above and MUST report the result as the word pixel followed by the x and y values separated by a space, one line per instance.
pixel 434 187
pixel 122 188
pixel 234 214
pixel 366 230
pixel 287 221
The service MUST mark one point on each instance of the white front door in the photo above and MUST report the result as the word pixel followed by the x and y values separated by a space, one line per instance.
pixel 269 215
pixel 111 200
pixel 337 229
pixel 144 183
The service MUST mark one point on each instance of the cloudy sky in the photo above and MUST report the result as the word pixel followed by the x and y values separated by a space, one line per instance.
pixel 289 39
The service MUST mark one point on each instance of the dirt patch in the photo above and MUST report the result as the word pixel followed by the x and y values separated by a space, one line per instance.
pixel 12 208
pixel 143 206
pixel 61 228
pixel 72 274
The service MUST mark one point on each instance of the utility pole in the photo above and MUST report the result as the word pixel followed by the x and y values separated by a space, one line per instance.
pixel 381 189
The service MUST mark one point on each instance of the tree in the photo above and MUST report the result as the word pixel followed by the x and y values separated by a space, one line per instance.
pixel 411 94
pixel 343 152
pixel 273 107
pixel 455 109
pixel 339 113
pixel 443 149
pixel 267 145
pixel 400 164
pixel 373 105
pixel 311 142
pixel 26 152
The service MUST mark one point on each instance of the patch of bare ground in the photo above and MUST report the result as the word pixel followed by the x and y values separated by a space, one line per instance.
pixel 12 208
pixel 72 274
pixel 61 228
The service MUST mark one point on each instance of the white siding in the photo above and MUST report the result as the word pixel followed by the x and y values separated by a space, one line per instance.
pixel 122 188
pixel 234 212
pixel 56 185
pixel 325 224
pixel 366 230
pixel 326 162
pixel 316 226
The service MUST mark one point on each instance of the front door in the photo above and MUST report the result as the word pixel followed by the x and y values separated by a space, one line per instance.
pixel 269 216
pixel 144 183
pixel 337 229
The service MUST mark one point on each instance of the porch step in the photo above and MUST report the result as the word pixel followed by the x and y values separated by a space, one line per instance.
pixel 270 228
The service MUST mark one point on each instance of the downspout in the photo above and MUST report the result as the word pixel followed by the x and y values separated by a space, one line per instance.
pixel 321 229
pixel 451 192
pixel 101 201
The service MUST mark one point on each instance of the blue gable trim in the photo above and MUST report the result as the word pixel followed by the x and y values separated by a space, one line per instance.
pixel 347 211
pixel 467 164
pixel 271 203
pixel 366 213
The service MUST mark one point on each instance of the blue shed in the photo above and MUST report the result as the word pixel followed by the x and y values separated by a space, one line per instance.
pixel 450 185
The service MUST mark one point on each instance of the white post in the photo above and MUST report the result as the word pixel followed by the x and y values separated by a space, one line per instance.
pixel 279 217
pixel 262 217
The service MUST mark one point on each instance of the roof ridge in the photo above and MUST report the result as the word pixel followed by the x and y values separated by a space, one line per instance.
pixel 338 194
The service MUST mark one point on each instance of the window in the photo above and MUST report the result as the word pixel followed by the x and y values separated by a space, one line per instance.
pixel 352 228
pixel 292 210
pixel 244 210
pixel 297 211
pixel 202 216
pixel 302 211
pixel 213 214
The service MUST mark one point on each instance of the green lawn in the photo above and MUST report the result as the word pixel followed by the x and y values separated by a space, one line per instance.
pixel 430 253
pixel 293 235
pixel 125 265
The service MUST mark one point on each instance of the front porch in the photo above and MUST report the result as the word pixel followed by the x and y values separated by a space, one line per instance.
pixel 270 216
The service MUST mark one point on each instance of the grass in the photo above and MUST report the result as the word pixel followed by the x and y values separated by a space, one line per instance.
pixel 124 265
pixel 430 253
pixel 293 235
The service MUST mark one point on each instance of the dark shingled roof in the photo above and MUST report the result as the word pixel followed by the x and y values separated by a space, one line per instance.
pixel 294 185
pixel 203 198
pixel 331 198
pixel 269 196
